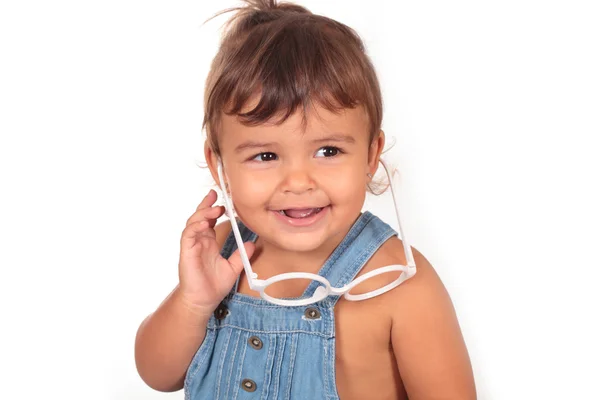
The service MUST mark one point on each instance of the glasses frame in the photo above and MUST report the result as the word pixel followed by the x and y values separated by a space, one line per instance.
pixel 260 285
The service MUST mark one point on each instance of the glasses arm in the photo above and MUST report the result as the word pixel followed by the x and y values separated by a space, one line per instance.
pixel 410 261
pixel 236 231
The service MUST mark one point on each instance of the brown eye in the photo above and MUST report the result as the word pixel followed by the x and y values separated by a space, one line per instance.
pixel 328 151
pixel 265 157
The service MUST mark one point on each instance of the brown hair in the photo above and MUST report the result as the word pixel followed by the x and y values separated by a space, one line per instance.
pixel 289 56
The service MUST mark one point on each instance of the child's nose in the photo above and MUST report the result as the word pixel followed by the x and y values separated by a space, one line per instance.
pixel 298 179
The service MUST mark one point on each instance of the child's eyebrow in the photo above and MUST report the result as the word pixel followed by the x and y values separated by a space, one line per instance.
pixel 252 145
pixel 338 137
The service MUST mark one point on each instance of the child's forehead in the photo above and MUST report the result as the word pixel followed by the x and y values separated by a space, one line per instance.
pixel 319 121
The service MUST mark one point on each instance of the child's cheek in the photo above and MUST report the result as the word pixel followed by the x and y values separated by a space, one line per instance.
pixel 344 183
pixel 251 191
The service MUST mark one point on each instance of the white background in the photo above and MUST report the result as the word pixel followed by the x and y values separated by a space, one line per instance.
pixel 494 109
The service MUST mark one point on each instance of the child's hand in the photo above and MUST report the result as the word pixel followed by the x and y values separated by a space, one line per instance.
pixel 205 278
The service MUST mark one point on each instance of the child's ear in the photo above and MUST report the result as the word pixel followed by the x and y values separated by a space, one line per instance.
pixel 211 160
pixel 375 150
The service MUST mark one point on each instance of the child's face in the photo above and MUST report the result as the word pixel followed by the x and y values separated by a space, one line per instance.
pixel 299 190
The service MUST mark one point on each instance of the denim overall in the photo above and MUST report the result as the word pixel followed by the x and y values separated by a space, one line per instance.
pixel 254 349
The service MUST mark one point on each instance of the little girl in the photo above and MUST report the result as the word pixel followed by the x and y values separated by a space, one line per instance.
pixel 293 115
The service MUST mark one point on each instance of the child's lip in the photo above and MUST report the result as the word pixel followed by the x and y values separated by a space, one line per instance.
pixel 301 222
pixel 297 208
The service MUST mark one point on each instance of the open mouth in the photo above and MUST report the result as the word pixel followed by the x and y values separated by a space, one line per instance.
pixel 300 213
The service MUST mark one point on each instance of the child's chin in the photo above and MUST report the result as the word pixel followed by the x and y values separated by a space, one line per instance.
pixel 303 247
pixel 300 242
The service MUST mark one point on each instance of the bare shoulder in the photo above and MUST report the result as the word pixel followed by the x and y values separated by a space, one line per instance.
pixel 426 338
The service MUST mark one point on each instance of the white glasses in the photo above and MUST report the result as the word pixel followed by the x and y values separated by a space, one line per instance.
pixel 325 289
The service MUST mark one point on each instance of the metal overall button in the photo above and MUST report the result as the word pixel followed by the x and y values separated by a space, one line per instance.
pixel 221 312
pixel 255 342
pixel 248 385
pixel 312 313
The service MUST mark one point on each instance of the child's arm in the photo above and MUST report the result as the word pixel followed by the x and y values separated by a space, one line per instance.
pixel 428 344
pixel 166 342
pixel 168 338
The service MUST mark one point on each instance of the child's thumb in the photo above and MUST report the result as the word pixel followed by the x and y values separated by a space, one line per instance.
pixel 236 258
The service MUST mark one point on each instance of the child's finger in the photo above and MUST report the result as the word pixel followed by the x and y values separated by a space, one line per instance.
pixel 207 214
pixel 235 260
pixel 213 221
pixel 208 200
pixel 192 232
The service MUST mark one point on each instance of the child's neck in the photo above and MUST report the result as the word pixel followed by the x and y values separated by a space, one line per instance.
pixel 269 259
